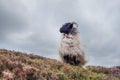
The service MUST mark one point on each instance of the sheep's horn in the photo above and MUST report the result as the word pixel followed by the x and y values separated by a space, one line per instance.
pixel 75 24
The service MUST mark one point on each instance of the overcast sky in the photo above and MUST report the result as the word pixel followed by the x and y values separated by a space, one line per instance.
pixel 32 26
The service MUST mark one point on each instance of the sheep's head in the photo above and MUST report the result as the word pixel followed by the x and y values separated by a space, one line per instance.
pixel 69 28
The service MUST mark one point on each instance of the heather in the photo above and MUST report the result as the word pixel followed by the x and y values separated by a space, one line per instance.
pixel 21 66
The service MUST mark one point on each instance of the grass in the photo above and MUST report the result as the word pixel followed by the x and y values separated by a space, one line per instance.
pixel 20 66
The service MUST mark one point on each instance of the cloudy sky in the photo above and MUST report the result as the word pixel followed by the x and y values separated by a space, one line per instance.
pixel 32 26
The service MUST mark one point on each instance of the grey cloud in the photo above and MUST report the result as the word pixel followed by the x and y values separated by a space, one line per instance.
pixel 10 21
pixel 33 26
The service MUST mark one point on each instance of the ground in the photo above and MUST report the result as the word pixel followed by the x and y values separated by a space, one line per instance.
pixel 21 66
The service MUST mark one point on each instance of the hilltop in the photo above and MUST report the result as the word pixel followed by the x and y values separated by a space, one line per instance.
pixel 21 66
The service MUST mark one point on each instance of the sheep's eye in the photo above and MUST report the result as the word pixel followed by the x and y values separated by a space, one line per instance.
pixel 71 32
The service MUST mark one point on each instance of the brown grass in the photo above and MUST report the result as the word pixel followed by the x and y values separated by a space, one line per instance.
pixel 20 66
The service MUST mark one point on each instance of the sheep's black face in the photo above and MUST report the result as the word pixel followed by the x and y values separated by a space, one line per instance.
pixel 68 28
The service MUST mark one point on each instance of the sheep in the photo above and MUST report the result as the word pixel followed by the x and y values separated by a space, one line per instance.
pixel 70 47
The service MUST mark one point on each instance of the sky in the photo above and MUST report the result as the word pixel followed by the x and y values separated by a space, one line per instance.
pixel 32 26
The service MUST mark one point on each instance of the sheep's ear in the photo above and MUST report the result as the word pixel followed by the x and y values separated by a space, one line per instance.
pixel 75 25
pixel 71 26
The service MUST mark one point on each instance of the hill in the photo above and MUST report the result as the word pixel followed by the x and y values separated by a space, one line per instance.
pixel 21 66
